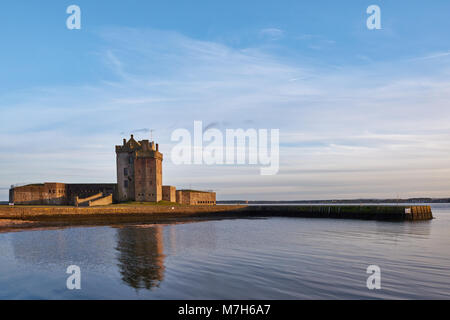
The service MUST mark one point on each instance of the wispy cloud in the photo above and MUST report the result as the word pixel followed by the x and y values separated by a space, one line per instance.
pixel 315 41
pixel 272 33
pixel 436 55
pixel 382 122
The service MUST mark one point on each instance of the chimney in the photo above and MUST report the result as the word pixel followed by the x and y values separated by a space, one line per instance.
pixel 124 141
pixel 132 136
pixel 157 147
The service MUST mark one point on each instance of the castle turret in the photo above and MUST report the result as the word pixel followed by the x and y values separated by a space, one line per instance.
pixel 139 171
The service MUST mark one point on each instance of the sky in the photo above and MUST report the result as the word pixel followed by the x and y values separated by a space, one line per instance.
pixel 362 113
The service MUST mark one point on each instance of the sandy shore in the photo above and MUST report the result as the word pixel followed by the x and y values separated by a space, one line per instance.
pixel 12 223
pixel 7 225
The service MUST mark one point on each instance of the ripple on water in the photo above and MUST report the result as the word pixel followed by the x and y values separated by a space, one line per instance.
pixel 276 258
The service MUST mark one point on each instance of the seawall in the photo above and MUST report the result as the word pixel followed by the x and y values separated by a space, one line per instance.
pixel 173 213
pixel 361 212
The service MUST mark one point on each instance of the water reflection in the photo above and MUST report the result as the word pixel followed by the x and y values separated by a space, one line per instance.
pixel 135 252
pixel 141 249
pixel 63 247
pixel 192 236
pixel 277 258
pixel 419 229
pixel 141 256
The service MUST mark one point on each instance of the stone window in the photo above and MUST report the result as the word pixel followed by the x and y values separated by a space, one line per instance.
pixel 125 183
pixel 125 171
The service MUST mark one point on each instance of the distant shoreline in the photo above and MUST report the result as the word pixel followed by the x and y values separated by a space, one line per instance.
pixel 342 201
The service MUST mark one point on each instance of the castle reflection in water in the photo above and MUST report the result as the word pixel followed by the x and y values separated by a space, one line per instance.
pixel 141 250
pixel 141 256
pixel 138 253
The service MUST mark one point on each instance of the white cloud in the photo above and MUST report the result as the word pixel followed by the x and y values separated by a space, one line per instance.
pixel 345 132
pixel 434 56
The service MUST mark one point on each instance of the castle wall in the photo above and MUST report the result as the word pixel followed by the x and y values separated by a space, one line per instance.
pixel 57 193
pixel 158 178
pixel 125 172
pixel 83 201
pixel 148 186
pixel 193 197
pixel 104 201
pixel 85 190
pixel 182 197
pixel 39 194
pixel 202 198
pixel 169 193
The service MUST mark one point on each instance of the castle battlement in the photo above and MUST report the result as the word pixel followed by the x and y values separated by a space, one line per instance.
pixel 143 148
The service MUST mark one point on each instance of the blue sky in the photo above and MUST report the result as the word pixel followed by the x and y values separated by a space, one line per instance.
pixel 361 113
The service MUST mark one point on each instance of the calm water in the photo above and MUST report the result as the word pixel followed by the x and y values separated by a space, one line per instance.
pixel 275 258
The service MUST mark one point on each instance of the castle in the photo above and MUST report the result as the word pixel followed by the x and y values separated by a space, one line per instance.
pixel 139 179
pixel 139 171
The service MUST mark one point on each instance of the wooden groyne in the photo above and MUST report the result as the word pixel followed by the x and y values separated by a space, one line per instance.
pixel 167 213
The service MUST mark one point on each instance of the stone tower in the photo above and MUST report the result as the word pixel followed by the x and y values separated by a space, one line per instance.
pixel 139 171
